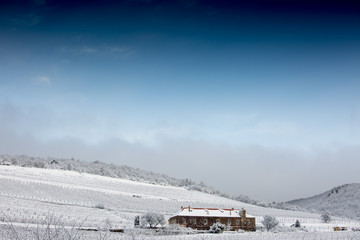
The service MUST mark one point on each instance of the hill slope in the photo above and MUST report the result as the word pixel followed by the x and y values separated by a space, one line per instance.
pixel 343 201
pixel 130 173
pixel 30 194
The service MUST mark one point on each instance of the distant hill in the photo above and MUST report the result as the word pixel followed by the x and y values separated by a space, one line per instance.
pixel 103 169
pixel 342 201
pixel 129 173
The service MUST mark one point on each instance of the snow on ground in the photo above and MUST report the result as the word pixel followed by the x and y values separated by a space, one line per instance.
pixel 269 236
pixel 28 195
pixel 89 235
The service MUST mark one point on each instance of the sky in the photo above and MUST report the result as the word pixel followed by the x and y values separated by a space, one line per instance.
pixel 259 98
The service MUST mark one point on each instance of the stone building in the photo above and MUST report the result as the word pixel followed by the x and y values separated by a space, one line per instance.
pixel 203 218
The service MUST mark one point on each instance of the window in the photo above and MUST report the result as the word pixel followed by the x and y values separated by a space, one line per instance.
pixel 205 221
pixel 176 221
pixel 237 222
pixel 217 220
pixel 194 220
pixel 229 222
pixel 184 221
pixel 247 222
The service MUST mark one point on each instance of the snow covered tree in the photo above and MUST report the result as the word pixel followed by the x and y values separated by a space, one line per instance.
pixel 137 221
pixel 297 224
pixel 326 217
pixel 14 161
pixel 217 228
pixel 269 222
pixel 69 166
pixel 152 220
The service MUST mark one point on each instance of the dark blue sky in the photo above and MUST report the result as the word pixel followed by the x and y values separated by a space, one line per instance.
pixel 128 81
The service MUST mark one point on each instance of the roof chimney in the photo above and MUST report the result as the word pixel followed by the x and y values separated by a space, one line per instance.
pixel 243 212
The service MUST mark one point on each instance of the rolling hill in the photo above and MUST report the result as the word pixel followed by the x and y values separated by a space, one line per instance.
pixel 343 201
pixel 129 173
pixel 30 194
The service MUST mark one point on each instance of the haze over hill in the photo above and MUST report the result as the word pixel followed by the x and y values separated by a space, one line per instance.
pixel 341 201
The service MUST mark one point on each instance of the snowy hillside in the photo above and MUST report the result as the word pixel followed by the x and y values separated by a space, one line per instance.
pixel 341 201
pixel 29 194
pixel 98 168
pixel 126 172
pixel 110 170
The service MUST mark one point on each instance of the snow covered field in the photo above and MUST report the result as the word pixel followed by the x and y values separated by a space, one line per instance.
pixel 270 236
pixel 28 195
pixel 24 235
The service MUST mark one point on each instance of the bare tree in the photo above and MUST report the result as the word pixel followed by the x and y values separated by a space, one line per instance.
pixel 326 217
pixel 50 228
pixel 269 222
pixel 152 220
pixel 133 234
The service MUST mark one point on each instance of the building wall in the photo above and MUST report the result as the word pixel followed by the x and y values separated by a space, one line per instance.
pixel 248 224
pixel 204 223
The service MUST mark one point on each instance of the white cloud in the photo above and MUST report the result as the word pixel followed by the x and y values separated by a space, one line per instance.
pixel 43 80
pixel 274 171
pixel 262 173
pixel 152 137
pixel 270 127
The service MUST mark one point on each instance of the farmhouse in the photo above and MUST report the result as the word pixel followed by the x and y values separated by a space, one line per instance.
pixel 203 218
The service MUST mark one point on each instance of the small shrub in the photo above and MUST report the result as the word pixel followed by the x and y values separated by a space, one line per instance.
pixel 39 164
pixel 100 206
pixel 217 228
pixel 175 229
pixel 106 224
